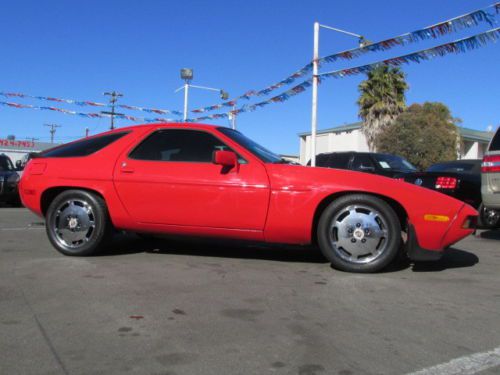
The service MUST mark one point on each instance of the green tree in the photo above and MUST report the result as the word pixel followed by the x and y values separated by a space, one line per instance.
pixel 423 134
pixel 381 100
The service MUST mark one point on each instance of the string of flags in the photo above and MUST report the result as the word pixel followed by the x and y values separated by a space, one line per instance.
pixel 81 114
pixel 431 32
pixel 458 46
pixel 84 103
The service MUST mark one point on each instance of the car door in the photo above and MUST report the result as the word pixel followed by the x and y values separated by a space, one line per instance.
pixel 169 178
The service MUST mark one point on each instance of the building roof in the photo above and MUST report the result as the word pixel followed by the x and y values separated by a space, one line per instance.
pixel 466 133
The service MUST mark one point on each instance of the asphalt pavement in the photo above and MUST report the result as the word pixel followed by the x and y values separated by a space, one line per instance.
pixel 174 306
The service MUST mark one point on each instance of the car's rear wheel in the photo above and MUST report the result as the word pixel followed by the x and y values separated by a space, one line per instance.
pixel 359 233
pixel 488 218
pixel 77 223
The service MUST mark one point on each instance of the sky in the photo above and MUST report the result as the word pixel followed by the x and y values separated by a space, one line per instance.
pixel 78 50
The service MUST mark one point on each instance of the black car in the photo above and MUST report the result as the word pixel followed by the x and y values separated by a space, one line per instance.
pixel 9 180
pixel 370 162
pixel 460 179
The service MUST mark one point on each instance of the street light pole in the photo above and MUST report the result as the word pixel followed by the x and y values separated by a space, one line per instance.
pixel 187 75
pixel 186 95
pixel 314 115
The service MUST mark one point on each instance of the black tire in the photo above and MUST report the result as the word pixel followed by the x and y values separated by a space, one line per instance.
pixel 346 222
pixel 488 219
pixel 66 221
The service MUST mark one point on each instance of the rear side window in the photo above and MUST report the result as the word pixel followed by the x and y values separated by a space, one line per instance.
pixel 178 145
pixel 495 142
pixel 82 148
pixel 339 161
pixel 362 162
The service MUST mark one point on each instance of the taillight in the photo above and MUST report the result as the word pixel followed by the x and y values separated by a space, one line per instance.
pixel 491 164
pixel 446 183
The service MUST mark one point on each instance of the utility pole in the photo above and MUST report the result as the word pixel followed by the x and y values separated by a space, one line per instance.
pixel 114 98
pixel 52 130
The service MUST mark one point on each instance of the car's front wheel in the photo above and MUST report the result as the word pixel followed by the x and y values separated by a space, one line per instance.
pixel 359 233
pixel 77 223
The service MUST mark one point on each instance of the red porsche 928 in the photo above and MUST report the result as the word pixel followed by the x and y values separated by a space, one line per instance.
pixel 202 180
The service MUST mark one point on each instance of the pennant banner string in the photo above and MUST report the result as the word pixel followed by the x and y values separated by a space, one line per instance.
pixel 431 32
pixel 86 115
pixel 89 103
pixel 458 46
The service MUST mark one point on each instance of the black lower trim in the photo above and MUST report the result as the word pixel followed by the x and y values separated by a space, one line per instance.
pixel 417 253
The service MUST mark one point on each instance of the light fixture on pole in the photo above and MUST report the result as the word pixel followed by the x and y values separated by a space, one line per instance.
pixel 187 76
pixel 363 42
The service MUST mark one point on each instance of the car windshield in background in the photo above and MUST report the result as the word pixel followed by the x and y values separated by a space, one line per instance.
pixel 466 167
pixel 495 142
pixel 394 163
pixel 256 149
pixel 5 164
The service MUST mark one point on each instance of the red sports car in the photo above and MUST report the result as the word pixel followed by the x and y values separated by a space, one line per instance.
pixel 203 180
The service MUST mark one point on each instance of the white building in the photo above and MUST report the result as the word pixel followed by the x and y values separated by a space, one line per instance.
pixel 351 138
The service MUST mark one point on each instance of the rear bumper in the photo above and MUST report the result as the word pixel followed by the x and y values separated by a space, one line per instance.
pixel 417 253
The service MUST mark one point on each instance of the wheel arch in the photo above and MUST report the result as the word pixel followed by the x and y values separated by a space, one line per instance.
pixel 51 193
pixel 395 205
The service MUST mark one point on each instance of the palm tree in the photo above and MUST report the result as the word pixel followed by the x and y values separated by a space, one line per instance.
pixel 381 100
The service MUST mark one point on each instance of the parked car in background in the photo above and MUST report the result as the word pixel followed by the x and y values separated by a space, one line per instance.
pixel 490 177
pixel 9 180
pixel 460 179
pixel 200 180
pixel 369 162
pixel 21 164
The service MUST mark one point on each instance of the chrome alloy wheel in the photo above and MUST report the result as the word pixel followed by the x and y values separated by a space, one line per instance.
pixel 359 234
pixel 73 223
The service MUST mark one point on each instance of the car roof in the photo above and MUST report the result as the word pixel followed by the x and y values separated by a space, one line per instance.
pixel 187 125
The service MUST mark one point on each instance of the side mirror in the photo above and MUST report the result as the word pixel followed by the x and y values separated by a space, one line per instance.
pixel 19 165
pixel 228 159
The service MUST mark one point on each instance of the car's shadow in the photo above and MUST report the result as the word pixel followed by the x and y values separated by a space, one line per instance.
pixel 452 258
pixel 131 244
pixel 490 234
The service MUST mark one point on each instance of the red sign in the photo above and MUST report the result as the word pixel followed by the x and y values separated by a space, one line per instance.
pixel 25 144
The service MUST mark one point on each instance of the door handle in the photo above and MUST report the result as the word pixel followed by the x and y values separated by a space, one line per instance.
pixel 126 169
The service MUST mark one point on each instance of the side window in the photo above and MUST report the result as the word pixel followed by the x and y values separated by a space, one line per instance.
pixel 362 162
pixel 83 147
pixel 339 161
pixel 178 145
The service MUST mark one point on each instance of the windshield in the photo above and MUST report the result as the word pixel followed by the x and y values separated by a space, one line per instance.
pixel 5 164
pixel 469 166
pixel 394 163
pixel 256 149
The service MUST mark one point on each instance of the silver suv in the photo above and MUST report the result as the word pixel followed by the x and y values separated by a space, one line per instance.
pixel 490 180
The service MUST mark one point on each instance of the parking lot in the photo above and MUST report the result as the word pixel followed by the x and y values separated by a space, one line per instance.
pixel 203 307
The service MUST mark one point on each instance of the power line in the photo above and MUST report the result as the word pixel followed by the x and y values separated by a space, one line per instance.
pixel 52 130
pixel 114 98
